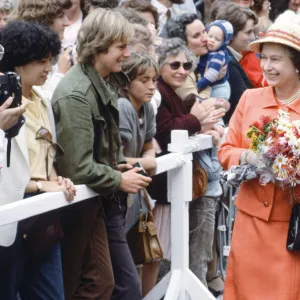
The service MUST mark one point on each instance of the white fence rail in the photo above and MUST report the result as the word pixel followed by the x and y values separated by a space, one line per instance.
pixel 180 283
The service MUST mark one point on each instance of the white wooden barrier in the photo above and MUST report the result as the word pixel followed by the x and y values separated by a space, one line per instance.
pixel 180 283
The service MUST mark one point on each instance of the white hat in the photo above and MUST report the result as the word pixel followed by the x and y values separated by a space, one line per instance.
pixel 283 32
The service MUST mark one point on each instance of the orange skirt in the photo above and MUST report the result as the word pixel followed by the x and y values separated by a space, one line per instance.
pixel 260 267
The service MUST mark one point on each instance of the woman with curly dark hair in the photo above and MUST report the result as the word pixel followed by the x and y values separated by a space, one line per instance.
pixel 30 257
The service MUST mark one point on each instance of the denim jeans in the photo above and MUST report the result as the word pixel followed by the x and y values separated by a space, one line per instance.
pixel 202 226
pixel 127 282
pixel 33 277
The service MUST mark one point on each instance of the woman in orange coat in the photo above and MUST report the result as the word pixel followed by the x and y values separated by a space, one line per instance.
pixel 260 267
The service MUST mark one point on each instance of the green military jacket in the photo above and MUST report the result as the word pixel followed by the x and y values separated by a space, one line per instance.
pixel 87 125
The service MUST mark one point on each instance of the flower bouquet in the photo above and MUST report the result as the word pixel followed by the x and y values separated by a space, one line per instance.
pixel 276 143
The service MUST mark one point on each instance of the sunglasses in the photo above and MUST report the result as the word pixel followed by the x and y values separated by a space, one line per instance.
pixel 54 150
pixel 177 64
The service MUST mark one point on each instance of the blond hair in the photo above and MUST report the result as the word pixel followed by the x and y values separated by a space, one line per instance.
pixel 40 11
pixel 100 29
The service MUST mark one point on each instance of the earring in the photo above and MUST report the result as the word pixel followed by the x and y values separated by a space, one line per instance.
pixel 297 71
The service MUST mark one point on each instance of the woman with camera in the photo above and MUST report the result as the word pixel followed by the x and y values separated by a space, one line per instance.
pixel 30 258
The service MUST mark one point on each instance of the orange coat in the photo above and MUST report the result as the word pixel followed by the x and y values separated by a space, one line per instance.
pixel 253 198
pixel 259 267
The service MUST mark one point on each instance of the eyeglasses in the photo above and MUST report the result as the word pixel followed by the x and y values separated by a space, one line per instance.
pixel 55 150
pixel 177 64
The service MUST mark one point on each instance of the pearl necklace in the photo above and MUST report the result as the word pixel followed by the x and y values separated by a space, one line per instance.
pixel 290 100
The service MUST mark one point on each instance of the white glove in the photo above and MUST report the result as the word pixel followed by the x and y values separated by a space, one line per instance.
pixel 249 157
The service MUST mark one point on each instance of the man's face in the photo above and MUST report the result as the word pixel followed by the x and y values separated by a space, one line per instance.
pixel 3 19
pixel 111 61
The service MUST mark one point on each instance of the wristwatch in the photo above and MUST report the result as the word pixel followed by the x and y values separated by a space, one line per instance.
pixel 38 186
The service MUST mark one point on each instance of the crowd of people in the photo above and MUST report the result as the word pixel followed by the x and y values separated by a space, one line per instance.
pixel 104 82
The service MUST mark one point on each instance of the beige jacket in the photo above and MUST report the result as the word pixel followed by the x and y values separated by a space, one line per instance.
pixel 190 87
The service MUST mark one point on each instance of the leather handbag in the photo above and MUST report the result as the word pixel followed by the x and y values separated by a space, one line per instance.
pixel 41 232
pixel 293 238
pixel 142 238
pixel 199 181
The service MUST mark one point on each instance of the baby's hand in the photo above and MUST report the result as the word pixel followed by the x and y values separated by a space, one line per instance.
pixel 223 72
pixel 217 102
pixel 220 102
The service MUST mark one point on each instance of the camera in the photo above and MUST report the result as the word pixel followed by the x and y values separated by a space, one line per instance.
pixel 10 86
pixel 142 172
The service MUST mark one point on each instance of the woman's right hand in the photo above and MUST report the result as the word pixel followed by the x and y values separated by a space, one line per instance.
pixel 201 111
pixel 64 185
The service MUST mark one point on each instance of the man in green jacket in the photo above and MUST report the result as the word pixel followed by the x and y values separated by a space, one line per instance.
pixel 87 120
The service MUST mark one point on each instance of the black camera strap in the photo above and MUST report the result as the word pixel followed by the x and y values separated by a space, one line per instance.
pixel 10 85
pixel 8 152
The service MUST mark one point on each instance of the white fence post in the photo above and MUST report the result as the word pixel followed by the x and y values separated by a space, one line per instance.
pixel 180 283
pixel 183 283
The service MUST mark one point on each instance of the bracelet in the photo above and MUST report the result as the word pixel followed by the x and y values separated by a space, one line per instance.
pixel 38 186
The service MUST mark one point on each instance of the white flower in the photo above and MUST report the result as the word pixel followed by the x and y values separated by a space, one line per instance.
pixel 284 122
pixel 291 138
pixel 297 125
pixel 298 168
pixel 296 148
pixel 293 181
pixel 281 173
pixel 280 160
pixel 266 144
pixel 283 115
pixel 283 141
pixel 284 125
